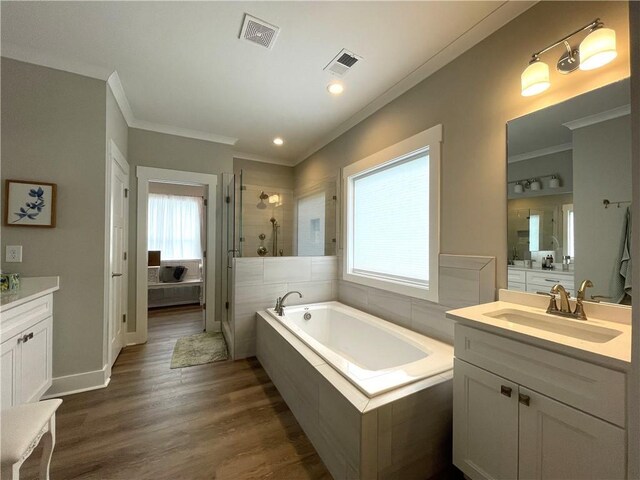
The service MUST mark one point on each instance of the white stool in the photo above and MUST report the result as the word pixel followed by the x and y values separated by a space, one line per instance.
pixel 21 429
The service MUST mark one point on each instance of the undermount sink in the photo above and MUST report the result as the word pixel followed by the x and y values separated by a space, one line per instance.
pixel 579 329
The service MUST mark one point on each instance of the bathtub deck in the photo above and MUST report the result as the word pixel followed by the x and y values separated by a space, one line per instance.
pixel 224 420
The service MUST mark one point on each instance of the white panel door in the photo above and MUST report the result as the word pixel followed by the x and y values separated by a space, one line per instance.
pixel 118 256
pixel 485 423
pixel 9 372
pixel 561 443
pixel 35 364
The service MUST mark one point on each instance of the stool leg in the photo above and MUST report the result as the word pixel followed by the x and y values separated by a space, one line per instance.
pixel 48 442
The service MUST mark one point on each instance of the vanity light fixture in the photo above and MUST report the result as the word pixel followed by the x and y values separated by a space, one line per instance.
pixel 278 141
pixel 597 49
pixel 335 88
pixel 535 184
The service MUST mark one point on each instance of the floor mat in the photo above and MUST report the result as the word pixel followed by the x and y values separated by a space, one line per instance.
pixel 199 349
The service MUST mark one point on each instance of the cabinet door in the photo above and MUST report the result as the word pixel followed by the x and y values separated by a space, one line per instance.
pixel 559 442
pixel 35 361
pixel 485 423
pixel 9 359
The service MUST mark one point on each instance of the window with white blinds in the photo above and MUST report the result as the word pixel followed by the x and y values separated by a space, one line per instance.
pixel 392 217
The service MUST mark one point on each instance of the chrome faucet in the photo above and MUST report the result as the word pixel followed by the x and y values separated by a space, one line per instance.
pixel 565 307
pixel 279 308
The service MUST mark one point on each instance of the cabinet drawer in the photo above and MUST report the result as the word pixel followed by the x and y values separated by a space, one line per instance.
pixel 549 279
pixel 519 276
pixel 588 387
pixel 15 320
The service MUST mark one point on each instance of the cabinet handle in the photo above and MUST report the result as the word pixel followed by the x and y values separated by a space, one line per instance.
pixel 506 391
pixel 524 399
pixel 30 336
pixel 25 338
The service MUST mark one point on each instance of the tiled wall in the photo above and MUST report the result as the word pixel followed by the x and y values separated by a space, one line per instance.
pixel 464 280
pixel 257 282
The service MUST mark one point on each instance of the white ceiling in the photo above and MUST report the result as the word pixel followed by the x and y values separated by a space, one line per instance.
pixel 184 70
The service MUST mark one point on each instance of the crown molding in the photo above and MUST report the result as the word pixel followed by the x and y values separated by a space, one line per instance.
pixel 563 147
pixel 111 77
pixel 182 132
pixel 599 117
pixel 45 59
pixel 121 97
pixel 260 158
pixel 499 17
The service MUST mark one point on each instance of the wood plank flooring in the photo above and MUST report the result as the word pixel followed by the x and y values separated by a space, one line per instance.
pixel 222 420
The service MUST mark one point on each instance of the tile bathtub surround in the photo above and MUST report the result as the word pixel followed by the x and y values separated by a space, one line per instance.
pixel 464 280
pixel 405 433
pixel 257 282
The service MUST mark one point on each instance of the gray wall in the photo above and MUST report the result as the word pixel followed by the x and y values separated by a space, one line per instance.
pixel 53 130
pixel 473 97
pixel 260 173
pixel 599 230
pixel 159 150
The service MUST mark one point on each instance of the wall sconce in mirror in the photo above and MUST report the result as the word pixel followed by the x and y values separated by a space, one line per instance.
pixel 597 49
pixel 534 184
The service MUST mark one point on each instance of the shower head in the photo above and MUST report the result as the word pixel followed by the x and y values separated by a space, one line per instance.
pixel 263 196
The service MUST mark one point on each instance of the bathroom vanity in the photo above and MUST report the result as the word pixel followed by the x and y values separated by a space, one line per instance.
pixel 538 395
pixel 26 341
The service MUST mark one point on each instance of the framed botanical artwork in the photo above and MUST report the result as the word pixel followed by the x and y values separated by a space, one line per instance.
pixel 29 204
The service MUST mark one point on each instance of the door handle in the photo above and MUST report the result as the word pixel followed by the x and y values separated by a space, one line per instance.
pixel 116 275
pixel 506 391
pixel 524 399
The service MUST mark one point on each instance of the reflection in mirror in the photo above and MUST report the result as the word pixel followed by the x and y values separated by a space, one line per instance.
pixel 569 196
pixel 274 219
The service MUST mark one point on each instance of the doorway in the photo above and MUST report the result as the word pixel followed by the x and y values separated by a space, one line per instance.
pixel 176 242
pixel 155 186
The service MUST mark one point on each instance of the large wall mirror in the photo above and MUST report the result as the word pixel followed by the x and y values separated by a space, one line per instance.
pixel 569 196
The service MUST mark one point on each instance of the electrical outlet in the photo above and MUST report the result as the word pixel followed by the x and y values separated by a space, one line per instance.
pixel 14 253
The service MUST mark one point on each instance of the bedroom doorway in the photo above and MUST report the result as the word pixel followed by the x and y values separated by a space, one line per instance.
pixel 176 244
pixel 175 263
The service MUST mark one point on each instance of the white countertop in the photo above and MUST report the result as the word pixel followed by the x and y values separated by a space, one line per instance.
pixel 30 289
pixel 615 353
pixel 539 269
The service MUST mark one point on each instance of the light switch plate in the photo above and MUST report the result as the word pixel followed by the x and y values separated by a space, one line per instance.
pixel 14 254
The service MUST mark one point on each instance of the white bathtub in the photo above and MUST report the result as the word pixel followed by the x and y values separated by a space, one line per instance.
pixel 374 355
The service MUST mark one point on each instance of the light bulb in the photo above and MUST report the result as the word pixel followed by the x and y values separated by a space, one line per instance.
pixel 335 88
pixel 535 79
pixel 517 188
pixel 598 49
pixel 278 141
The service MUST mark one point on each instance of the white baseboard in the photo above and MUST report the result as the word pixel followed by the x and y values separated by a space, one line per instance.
pixel 132 338
pixel 78 382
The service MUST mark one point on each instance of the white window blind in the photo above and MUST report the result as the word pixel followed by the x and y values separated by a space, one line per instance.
pixel 175 226
pixel 311 223
pixel 391 221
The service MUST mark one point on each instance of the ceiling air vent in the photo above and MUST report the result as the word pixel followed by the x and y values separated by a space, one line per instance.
pixel 342 63
pixel 258 31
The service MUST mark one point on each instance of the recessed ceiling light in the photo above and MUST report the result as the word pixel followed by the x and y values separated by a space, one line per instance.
pixel 335 88
pixel 278 141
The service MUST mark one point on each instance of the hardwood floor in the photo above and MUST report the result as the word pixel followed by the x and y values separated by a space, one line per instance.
pixel 222 420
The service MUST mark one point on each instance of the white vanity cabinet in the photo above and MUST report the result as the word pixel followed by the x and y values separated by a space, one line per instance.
pixel 522 412
pixel 26 344
pixel 531 280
